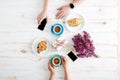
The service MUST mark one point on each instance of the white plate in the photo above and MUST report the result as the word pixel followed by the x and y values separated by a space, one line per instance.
pixel 35 45
pixel 71 16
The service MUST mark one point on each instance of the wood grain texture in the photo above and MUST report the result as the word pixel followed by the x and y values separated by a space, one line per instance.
pixel 18 29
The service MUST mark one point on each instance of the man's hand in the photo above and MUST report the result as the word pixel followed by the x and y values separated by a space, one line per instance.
pixel 63 11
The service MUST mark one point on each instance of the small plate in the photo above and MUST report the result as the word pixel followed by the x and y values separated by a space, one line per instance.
pixel 61 29
pixel 71 16
pixel 35 45
pixel 58 57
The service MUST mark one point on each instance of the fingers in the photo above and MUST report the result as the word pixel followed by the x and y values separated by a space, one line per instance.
pixel 53 66
pixel 37 17
pixel 40 20
pixel 40 17
pixel 50 65
pixel 59 8
pixel 59 12
pixel 60 15
pixel 64 59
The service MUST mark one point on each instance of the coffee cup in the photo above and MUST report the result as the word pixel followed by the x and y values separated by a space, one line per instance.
pixel 57 29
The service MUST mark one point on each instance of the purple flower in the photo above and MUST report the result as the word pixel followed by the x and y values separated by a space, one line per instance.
pixel 83 45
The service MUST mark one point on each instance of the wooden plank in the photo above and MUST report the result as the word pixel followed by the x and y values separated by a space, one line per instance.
pixel 101 26
pixel 95 76
pixel 31 68
pixel 100 3
pixel 97 12
pixel 39 2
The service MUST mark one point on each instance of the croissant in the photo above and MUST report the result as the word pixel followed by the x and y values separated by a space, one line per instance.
pixel 42 46
pixel 75 22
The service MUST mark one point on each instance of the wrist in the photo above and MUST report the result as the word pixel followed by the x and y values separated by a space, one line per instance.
pixel 66 71
pixel 52 76
pixel 77 2
pixel 44 11
pixel 65 68
pixel 52 73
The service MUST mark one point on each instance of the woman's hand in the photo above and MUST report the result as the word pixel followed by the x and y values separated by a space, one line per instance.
pixel 41 16
pixel 64 62
pixel 65 66
pixel 52 71
pixel 63 11
pixel 51 68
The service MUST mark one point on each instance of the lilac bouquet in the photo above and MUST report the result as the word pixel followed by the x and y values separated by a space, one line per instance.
pixel 84 45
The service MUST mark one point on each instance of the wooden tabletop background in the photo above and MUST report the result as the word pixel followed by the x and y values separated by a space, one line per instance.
pixel 18 29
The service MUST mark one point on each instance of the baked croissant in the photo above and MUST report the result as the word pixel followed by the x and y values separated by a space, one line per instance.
pixel 75 22
pixel 42 46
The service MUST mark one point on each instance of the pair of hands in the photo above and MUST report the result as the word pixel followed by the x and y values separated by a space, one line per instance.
pixel 52 68
pixel 62 12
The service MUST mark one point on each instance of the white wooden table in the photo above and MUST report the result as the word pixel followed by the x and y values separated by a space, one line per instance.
pixel 18 29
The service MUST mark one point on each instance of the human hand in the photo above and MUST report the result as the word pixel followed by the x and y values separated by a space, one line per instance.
pixel 41 16
pixel 51 68
pixel 63 11
pixel 64 62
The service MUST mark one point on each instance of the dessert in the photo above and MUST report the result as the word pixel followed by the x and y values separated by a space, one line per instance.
pixel 42 46
pixel 75 22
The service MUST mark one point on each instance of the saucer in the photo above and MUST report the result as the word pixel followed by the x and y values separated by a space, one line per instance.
pixel 57 33
pixel 56 56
